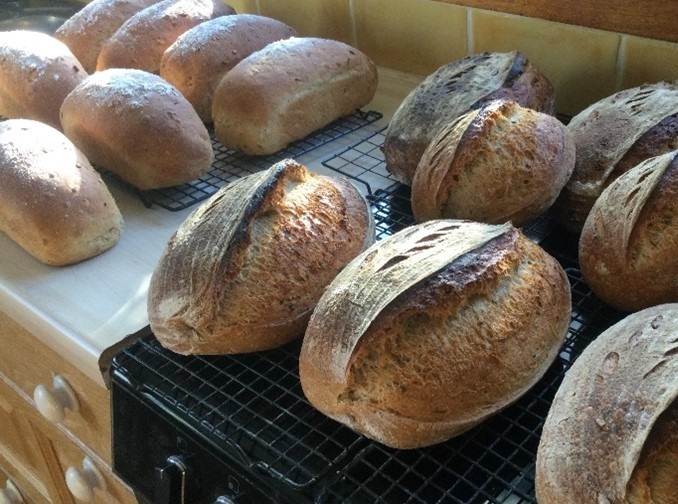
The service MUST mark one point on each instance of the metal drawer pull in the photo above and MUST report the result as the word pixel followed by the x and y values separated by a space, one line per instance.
pixel 82 482
pixel 10 494
pixel 52 403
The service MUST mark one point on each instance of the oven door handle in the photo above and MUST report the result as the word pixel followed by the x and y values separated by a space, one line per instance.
pixel 172 481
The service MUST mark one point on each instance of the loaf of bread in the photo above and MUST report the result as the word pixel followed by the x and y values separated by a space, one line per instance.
pixel 434 329
pixel 612 136
pixel 628 247
pixel 52 202
pixel 197 61
pixel 142 40
pixel 245 270
pixel 37 71
pixel 498 163
pixel 453 90
pixel 611 435
pixel 288 90
pixel 139 127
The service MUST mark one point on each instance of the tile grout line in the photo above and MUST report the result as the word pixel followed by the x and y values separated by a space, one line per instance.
pixel 354 31
pixel 469 31
pixel 620 63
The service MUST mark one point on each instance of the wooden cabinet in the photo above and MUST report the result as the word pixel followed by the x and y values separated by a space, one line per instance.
pixel 63 460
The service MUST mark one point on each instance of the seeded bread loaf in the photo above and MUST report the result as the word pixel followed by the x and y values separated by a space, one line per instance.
pixel 501 162
pixel 434 329
pixel 611 137
pixel 453 90
pixel 196 62
pixel 245 270
pixel 52 202
pixel 611 435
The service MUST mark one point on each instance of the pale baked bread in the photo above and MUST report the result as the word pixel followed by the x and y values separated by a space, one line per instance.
pixel 501 162
pixel 139 127
pixel 196 62
pixel 142 40
pixel 52 202
pixel 37 71
pixel 434 329
pixel 612 136
pixel 628 247
pixel 86 31
pixel 453 90
pixel 245 270
pixel 288 90
pixel 610 434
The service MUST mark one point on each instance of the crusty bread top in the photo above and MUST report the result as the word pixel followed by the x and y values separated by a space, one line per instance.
pixel 605 408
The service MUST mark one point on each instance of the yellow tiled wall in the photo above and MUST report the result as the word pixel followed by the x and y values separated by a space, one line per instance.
pixel 418 36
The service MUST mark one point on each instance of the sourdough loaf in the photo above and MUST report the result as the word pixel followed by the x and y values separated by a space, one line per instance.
pixel 453 90
pixel 245 270
pixel 86 31
pixel 139 127
pixel 612 136
pixel 37 71
pixel 434 329
pixel 52 202
pixel 142 40
pixel 196 62
pixel 611 433
pixel 288 90
pixel 501 162
pixel 628 247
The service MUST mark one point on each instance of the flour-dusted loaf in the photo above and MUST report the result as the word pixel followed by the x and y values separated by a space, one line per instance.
pixel 196 62
pixel 245 270
pixel 37 71
pixel 288 90
pixel 52 202
pixel 611 435
pixel 138 126
pixel 453 90
pixel 434 329
pixel 86 31
pixel 142 40
pixel 628 247
pixel 501 162
pixel 612 136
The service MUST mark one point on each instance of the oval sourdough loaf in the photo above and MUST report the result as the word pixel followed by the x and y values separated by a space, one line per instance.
pixel 196 62
pixel 288 90
pixel 37 71
pixel 611 137
pixel 86 31
pixel 142 40
pixel 139 127
pixel 611 435
pixel 499 163
pixel 52 202
pixel 434 329
pixel 453 90
pixel 628 247
pixel 245 270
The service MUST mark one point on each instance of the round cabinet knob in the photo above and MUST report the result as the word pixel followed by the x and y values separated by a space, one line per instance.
pixel 82 482
pixel 10 494
pixel 52 403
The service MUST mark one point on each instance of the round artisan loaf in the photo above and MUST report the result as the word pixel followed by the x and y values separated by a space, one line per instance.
pixel 37 71
pixel 611 434
pixel 501 162
pixel 139 127
pixel 288 90
pixel 245 270
pixel 86 31
pixel 628 247
pixel 197 61
pixel 52 202
pixel 611 137
pixel 434 329
pixel 142 40
pixel 453 90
